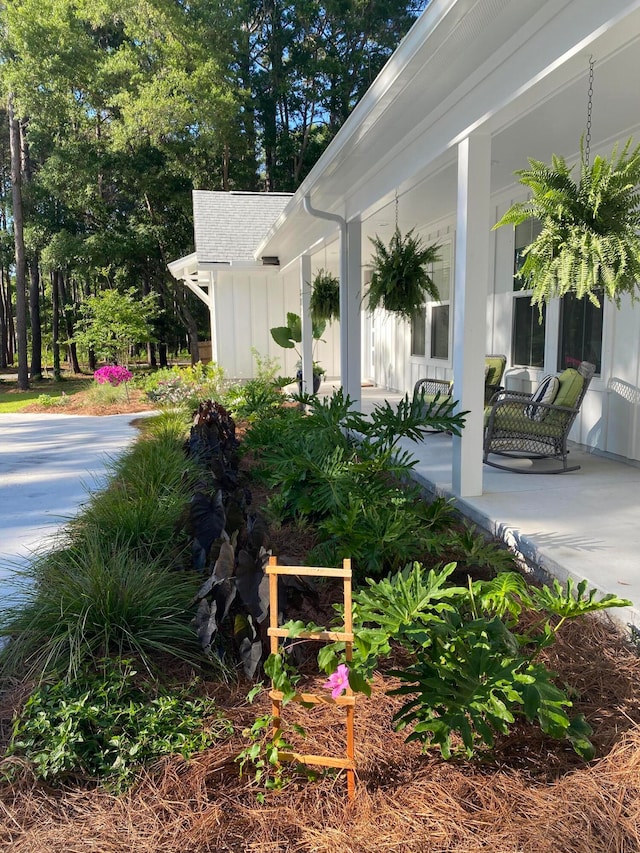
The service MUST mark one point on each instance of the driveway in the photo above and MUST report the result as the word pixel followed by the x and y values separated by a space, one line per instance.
pixel 48 464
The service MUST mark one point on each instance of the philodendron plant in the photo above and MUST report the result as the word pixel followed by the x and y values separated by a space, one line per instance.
pixel 472 669
pixel 291 334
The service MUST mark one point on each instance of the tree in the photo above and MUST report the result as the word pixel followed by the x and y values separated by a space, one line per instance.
pixel 18 234
pixel 113 322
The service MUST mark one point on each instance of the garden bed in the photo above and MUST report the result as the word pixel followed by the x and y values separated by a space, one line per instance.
pixel 529 793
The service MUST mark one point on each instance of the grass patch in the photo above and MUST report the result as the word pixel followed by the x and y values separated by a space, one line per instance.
pixel 12 400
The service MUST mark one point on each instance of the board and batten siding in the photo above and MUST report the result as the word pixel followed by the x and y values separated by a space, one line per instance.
pixel 247 305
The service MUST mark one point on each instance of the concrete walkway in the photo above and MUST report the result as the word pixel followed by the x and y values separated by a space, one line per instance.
pixel 48 463
pixel 584 524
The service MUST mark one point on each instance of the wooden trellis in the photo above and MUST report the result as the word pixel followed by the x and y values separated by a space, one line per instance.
pixel 348 699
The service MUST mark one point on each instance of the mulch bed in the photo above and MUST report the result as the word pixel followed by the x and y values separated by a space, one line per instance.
pixel 532 794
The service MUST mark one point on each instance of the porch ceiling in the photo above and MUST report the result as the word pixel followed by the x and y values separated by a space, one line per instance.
pixel 517 69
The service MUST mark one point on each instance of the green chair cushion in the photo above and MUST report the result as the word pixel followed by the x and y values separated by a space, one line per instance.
pixel 495 369
pixel 508 419
pixel 571 383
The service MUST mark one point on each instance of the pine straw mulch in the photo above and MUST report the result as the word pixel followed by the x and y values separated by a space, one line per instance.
pixel 532 795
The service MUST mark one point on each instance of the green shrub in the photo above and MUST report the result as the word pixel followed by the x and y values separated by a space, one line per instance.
pixel 106 394
pixel 185 386
pixel 106 727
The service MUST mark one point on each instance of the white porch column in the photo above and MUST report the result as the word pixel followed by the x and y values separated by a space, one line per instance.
pixel 213 320
pixel 471 285
pixel 307 330
pixel 351 324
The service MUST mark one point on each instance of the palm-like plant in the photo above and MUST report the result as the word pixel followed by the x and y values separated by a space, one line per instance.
pixel 400 282
pixel 589 241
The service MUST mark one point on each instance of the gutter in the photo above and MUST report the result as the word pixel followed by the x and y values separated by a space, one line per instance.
pixel 344 325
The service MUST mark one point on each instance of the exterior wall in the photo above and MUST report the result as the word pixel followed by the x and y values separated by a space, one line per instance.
pixel 247 305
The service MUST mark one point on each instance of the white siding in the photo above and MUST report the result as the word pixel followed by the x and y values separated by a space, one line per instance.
pixel 248 305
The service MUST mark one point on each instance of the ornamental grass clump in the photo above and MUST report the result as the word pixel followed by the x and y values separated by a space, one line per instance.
pixel 589 242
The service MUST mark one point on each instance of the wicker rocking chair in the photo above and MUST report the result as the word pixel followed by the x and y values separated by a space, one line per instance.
pixel 518 427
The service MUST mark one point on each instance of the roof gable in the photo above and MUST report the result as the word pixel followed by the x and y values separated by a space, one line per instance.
pixel 229 226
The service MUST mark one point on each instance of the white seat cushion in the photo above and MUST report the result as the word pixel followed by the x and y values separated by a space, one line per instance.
pixel 544 393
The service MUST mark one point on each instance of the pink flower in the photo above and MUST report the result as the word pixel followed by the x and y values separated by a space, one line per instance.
pixel 114 374
pixel 338 681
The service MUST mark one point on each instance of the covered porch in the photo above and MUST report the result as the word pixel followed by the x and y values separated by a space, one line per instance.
pixel 579 525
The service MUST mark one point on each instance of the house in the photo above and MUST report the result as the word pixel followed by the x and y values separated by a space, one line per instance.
pixel 474 89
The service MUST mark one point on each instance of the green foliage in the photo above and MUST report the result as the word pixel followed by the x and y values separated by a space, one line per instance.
pixel 589 241
pixel 265 746
pixel 185 386
pixel 254 399
pixel 344 471
pixel 91 599
pixel 325 297
pixel 112 322
pixel 400 282
pixel 472 672
pixel 105 726
pixel 107 394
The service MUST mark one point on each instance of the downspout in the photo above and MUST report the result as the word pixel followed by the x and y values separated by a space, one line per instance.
pixel 344 325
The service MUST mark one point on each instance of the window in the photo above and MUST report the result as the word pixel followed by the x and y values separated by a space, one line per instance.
pixel 580 332
pixel 419 332
pixel 440 331
pixel 439 311
pixel 528 333
pixel 434 316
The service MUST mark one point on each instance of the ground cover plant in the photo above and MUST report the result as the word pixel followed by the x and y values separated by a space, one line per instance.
pixel 525 790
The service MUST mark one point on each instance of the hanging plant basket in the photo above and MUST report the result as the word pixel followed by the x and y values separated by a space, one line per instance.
pixel 325 297
pixel 589 242
pixel 400 282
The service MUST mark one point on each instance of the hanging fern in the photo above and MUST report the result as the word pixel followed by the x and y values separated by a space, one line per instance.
pixel 400 282
pixel 325 297
pixel 589 241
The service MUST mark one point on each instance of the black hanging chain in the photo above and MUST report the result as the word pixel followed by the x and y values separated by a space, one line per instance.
pixel 587 145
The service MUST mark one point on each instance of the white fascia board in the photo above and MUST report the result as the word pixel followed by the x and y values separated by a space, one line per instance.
pixel 238 266
pixel 183 266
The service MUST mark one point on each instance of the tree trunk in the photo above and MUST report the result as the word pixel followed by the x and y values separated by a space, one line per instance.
pixel 55 324
pixel 34 316
pixel 18 235
pixel 72 352
pixel 162 354
pixel 4 322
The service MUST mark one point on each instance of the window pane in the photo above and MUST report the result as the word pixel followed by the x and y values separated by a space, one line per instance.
pixel 580 333
pixel 441 272
pixel 440 331
pixel 418 332
pixel 528 333
pixel 526 233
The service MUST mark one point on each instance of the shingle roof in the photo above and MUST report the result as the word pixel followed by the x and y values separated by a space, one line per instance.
pixel 229 226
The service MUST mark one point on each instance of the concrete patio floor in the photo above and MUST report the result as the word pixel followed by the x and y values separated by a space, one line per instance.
pixel 584 524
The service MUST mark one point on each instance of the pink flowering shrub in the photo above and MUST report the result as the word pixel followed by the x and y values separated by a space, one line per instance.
pixel 114 374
